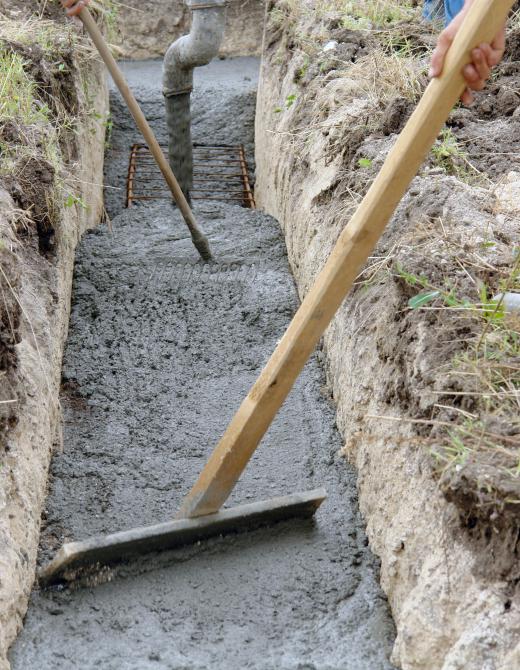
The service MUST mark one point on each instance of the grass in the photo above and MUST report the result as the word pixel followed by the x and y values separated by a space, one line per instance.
pixel 449 155
pixel 40 100
pixel 18 92
pixel 30 118
pixel 58 39
pixel 351 14
pixel 22 108
pixel 375 14
pixel 477 452
pixel 46 34
pixel 471 355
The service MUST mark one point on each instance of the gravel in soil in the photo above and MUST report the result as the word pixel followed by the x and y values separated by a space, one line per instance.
pixel 162 349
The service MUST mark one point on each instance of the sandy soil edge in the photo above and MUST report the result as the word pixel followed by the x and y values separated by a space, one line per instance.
pixel 450 612
pixel 44 295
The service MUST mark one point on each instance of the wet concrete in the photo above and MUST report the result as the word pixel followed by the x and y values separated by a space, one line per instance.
pixel 161 350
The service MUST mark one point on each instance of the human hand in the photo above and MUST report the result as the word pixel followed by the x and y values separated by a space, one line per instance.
pixel 484 57
pixel 74 7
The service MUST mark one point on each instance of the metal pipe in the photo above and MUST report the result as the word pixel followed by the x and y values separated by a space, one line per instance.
pixel 190 51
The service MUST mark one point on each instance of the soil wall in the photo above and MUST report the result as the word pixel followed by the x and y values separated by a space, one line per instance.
pixel 147 28
pixel 36 277
pixel 321 135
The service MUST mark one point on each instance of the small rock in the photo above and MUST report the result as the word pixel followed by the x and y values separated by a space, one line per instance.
pixel 510 301
pixel 507 193
pixel 330 46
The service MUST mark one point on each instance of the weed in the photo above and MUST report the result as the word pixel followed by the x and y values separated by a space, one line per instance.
pixel 487 308
pixel 54 40
pixel 17 92
pixel 302 71
pixel 354 14
pixel 41 117
pixel 289 102
pixel 374 14
pixel 71 200
pixel 488 438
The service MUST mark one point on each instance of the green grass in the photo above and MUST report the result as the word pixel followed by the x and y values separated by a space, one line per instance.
pixel 21 106
pixel 42 118
pixel 54 39
pixel 448 154
pixel 353 14
pixel 489 366
pixel 374 14
pixel 18 93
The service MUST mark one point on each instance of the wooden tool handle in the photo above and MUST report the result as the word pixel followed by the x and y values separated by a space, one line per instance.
pixel 354 246
pixel 199 239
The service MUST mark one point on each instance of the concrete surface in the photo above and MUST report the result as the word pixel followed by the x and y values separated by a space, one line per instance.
pixel 161 351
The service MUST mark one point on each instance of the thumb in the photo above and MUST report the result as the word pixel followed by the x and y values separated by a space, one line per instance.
pixel 444 43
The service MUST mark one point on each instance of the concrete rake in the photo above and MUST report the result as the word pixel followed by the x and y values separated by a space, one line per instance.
pixel 199 517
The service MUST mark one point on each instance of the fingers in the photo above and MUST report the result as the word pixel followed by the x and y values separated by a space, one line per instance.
pixel 488 53
pixel 473 78
pixel 74 7
pixel 478 71
pixel 494 52
pixel 443 44
pixel 467 98
pixel 480 64
pixel 484 58
pixel 475 73
pixel 499 45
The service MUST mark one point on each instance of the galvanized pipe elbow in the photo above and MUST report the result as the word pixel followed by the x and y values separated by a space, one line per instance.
pixel 198 48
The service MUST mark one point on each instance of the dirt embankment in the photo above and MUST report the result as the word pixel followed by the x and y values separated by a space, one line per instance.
pixel 421 360
pixel 148 27
pixel 52 129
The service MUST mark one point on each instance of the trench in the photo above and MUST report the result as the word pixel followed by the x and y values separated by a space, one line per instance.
pixel 161 351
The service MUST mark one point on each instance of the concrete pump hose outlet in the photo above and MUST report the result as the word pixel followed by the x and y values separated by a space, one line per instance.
pixel 197 48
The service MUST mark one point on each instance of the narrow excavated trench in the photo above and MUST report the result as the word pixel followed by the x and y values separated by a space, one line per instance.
pixel 161 351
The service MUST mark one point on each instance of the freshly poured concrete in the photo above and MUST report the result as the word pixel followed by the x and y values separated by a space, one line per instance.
pixel 161 351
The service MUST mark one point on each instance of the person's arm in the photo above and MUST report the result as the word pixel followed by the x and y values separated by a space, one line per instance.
pixel 74 7
pixel 485 56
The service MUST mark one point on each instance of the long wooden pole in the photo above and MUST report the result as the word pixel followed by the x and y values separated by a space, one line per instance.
pixel 355 244
pixel 199 238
